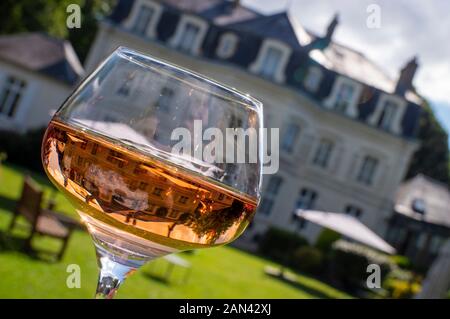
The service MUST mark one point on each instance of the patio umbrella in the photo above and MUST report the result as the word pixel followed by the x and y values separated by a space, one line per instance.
pixel 437 282
pixel 347 226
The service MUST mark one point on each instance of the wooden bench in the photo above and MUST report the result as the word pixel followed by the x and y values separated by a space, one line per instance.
pixel 42 221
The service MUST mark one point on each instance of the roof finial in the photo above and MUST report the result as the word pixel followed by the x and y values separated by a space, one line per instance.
pixel 332 26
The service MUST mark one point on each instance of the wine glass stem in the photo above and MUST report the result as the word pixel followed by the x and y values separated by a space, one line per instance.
pixel 113 272
pixel 110 278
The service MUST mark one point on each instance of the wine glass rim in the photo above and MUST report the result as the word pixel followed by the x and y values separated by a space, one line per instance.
pixel 123 50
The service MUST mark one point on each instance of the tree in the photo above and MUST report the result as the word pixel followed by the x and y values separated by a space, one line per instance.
pixel 432 157
pixel 50 16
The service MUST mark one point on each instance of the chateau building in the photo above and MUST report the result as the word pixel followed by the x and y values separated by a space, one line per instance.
pixel 347 130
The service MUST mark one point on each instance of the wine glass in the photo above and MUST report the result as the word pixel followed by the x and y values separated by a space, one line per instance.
pixel 114 150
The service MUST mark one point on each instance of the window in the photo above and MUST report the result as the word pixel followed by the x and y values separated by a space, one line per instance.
pixel 290 137
pixel 306 200
pixel 183 199
pixel 227 45
pixel 312 79
pixel 188 37
pixel 157 191
pixel 143 186
pixel 271 62
pixel 269 197
pixel 418 205
pixel 387 116
pixel 94 149
pixel 272 59
pixel 10 95
pixel 388 113
pixel 323 153
pixel 143 19
pixel 367 170
pixel 165 99
pixel 436 244
pixel 353 211
pixel 344 97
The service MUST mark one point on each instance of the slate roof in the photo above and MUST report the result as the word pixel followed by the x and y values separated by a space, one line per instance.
pixel 41 53
pixel 278 26
pixel 221 12
pixel 435 195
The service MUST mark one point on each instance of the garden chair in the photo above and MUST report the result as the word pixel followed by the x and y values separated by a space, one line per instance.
pixel 43 221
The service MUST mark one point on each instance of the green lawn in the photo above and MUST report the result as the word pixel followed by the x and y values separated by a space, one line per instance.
pixel 223 272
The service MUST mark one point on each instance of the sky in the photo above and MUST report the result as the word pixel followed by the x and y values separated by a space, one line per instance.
pixel 407 28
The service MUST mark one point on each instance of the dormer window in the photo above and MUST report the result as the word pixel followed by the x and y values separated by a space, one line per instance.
pixel 189 34
pixel 313 79
pixel 388 113
pixel 227 45
pixel 272 60
pixel 344 96
pixel 143 18
pixel 271 63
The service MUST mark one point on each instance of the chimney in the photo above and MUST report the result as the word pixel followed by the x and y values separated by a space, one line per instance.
pixel 405 80
pixel 332 26
pixel 232 5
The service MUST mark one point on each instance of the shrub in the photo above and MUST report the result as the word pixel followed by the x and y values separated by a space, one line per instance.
pixel 401 261
pixel 308 259
pixel 350 260
pixel 280 244
pixel 23 149
pixel 401 289
pixel 401 283
pixel 326 239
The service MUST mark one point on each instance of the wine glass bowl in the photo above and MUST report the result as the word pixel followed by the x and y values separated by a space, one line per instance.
pixel 113 149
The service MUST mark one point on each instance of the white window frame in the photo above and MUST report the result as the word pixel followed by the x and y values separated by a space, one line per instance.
pixel 296 138
pixel 319 149
pixel 285 50
pixel 352 110
pixel 375 172
pixel 185 20
pixel 310 197
pixel 313 79
pixel 269 197
pixel 353 210
pixel 227 41
pixel 397 120
pixel 134 14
